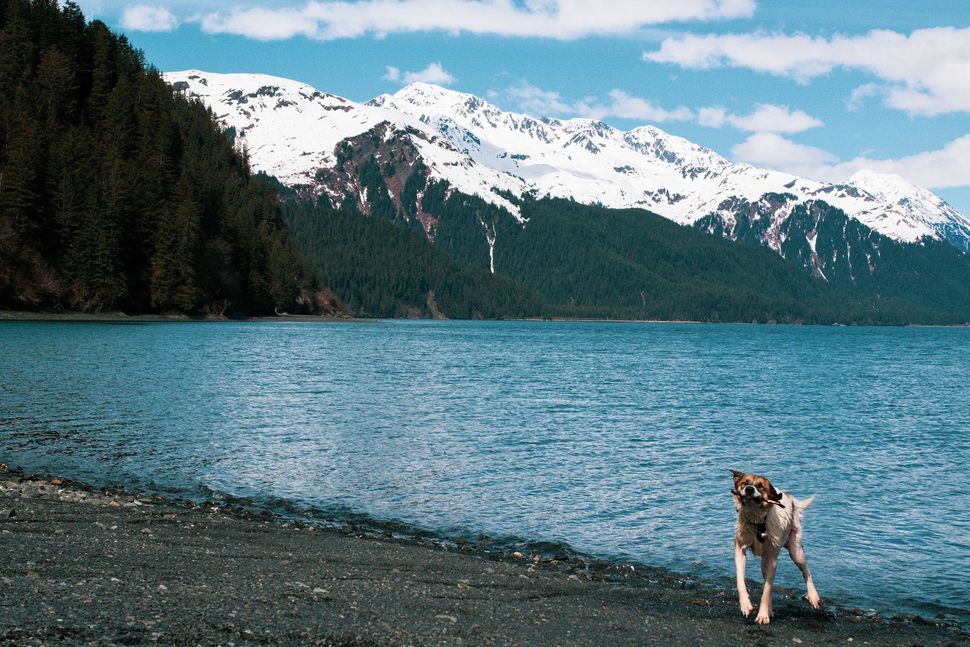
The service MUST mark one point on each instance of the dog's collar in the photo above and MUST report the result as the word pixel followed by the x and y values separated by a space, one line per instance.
pixel 761 531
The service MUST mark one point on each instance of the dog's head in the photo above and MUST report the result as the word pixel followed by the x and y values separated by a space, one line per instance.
pixel 753 489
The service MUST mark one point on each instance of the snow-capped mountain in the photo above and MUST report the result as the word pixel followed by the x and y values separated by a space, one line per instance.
pixel 292 131
pixel 918 203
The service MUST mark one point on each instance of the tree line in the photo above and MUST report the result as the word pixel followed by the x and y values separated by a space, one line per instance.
pixel 382 267
pixel 579 261
pixel 118 193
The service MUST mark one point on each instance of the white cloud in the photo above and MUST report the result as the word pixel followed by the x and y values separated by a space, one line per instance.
pixel 946 167
pixel 261 24
pixel 860 94
pixel 434 73
pixel 536 101
pixel 926 72
pixel 544 103
pixel 93 8
pixel 774 151
pixel 765 118
pixel 560 19
pixel 770 118
pixel 143 17
pixel 712 117
pixel 625 106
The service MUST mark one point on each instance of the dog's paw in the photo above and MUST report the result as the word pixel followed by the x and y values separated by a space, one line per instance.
pixel 746 607
pixel 763 618
pixel 813 599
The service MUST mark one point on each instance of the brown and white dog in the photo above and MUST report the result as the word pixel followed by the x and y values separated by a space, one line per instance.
pixel 768 520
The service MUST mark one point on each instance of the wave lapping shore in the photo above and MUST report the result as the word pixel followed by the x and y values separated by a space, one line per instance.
pixel 81 565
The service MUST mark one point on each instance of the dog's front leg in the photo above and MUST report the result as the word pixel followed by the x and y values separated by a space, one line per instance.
pixel 769 563
pixel 740 562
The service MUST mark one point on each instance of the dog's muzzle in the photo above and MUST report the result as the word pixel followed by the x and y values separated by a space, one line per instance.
pixel 748 493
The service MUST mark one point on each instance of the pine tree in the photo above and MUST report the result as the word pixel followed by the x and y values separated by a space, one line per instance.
pixel 117 193
pixel 173 286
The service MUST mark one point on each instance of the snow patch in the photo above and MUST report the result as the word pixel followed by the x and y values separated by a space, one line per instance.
pixel 478 149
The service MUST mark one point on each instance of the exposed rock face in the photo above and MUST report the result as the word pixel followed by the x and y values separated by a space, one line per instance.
pixel 383 152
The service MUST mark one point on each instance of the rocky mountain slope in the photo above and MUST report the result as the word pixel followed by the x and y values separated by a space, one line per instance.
pixel 292 131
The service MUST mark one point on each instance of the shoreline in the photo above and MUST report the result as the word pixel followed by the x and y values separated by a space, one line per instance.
pixel 82 564
pixel 121 317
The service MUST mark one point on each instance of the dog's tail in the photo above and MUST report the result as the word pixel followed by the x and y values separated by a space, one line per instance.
pixel 801 505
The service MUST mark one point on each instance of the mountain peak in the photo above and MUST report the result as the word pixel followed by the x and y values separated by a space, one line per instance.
pixel 672 149
pixel 420 93
pixel 237 81
pixel 291 131
pixel 423 87
pixel 380 100
pixel 916 203
pixel 890 187
pixel 867 177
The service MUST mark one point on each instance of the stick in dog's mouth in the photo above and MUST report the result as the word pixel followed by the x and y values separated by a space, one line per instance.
pixel 759 499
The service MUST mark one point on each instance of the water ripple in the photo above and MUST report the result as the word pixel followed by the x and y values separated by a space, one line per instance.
pixel 615 439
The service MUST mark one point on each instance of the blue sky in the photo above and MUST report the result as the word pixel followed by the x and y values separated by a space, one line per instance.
pixel 821 88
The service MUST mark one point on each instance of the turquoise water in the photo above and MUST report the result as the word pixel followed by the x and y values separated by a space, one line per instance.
pixel 614 438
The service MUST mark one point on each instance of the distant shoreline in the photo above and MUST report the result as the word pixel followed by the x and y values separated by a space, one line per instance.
pixel 121 317
pixel 118 316
pixel 82 564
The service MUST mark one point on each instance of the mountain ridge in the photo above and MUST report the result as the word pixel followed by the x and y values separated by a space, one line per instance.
pixel 291 130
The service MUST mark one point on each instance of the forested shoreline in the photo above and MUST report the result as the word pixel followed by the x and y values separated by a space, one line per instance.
pixel 118 194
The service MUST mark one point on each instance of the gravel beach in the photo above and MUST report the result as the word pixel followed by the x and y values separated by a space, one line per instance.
pixel 80 565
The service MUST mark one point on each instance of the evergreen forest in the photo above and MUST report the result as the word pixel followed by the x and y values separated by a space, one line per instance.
pixel 118 194
pixel 574 261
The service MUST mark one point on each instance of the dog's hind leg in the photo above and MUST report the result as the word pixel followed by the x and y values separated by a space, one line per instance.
pixel 797 554
pixel 769 564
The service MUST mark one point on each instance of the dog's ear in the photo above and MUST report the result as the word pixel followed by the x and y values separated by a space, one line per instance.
pixel 774 494
pixel 737 474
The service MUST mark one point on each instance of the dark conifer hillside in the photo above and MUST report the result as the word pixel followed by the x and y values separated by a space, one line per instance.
pixel 594 262
pixel 117 193
pixel 587 261
pixel 931 274
pixel 572 261
pixel 385 268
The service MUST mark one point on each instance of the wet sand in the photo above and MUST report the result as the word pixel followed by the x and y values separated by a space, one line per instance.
pixel 87 566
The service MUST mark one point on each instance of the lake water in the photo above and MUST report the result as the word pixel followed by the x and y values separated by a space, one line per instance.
pixel 614 438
